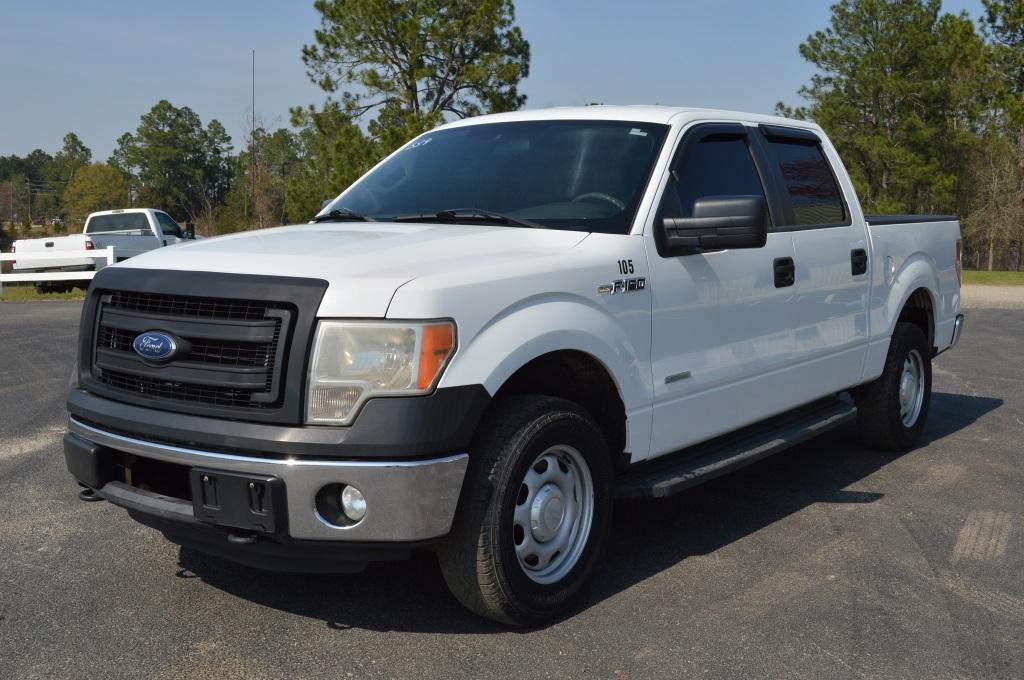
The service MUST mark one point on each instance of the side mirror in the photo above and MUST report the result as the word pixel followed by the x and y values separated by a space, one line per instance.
pixel 719 222
pixel 190 231
pixel 326 203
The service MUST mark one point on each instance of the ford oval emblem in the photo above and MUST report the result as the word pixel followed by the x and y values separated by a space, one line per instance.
pixel 155 346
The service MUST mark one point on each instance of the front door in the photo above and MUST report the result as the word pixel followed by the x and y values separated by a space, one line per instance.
pixel 723 335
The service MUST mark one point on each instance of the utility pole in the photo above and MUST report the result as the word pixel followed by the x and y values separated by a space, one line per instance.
pixel 28 186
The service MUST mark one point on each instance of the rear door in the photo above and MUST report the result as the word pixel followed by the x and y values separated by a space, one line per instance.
pixel 722 322
pixel 831 255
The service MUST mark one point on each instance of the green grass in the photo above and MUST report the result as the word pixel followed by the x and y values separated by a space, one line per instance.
pixel 25 292
pixel 994 278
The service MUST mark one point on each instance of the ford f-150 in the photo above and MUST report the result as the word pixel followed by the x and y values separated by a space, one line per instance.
pixel 502 327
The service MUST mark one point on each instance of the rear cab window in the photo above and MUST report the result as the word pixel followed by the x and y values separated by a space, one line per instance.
pixel 117 222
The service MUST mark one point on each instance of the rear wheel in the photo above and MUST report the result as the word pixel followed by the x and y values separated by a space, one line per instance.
pixel 892 410
pixel 535 511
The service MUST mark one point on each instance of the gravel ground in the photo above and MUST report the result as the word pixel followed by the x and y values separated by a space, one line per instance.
pixel 993 297
pixel 825 561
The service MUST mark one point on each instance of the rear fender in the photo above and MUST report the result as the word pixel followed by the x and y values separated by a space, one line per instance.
pixel 916 272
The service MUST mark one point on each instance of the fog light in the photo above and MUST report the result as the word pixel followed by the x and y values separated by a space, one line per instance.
pixel 352 503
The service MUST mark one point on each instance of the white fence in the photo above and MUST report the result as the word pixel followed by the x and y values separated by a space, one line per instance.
pixel 100 259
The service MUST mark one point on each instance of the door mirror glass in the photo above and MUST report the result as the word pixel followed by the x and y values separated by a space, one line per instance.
pixel 719 222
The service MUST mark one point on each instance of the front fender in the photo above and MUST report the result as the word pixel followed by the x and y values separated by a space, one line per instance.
pixel 536 327
pixel 552 323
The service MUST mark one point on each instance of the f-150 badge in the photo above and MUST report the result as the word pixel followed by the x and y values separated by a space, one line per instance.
pixel 623 286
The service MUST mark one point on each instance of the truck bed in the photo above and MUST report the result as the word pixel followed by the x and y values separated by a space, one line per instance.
pixel 58 245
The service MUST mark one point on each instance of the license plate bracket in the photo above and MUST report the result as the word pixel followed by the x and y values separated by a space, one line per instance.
pixel 238 501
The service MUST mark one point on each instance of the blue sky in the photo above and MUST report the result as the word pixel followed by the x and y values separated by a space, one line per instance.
pixel 95 67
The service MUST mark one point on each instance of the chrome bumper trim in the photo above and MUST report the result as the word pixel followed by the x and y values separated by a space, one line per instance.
pixel 958 328
pixel 406 500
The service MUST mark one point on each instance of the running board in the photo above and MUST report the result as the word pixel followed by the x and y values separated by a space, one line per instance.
pixel 675 472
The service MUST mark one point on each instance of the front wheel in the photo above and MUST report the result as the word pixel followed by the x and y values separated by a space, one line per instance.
pixel 892 410
pixel 535 512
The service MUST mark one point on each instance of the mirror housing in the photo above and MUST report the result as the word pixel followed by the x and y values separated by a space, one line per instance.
pixel 190 231
pixel 719 223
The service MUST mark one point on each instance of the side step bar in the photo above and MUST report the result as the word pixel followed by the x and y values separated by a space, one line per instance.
pixel 671 474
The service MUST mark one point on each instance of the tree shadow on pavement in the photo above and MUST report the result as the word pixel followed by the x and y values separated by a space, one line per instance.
pixel 648 536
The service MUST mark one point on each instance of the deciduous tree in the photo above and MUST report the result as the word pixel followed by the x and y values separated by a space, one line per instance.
pixel 95 187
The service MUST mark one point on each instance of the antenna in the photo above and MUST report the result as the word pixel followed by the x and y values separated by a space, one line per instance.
pixel 252 139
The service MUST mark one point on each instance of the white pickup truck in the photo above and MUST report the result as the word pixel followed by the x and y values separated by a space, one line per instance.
pixel 131 231
pixel 506 324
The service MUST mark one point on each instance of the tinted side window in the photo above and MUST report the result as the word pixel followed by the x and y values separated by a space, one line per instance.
pixel 715 166
pixel 811 185
pixel 168 226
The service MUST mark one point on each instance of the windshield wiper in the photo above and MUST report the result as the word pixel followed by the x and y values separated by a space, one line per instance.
pixel 469 214
pixel 343 216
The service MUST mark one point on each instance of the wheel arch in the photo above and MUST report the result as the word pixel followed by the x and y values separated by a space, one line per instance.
pixel 919 309
pixel 582 379
pixel 913 296
pixel 569 349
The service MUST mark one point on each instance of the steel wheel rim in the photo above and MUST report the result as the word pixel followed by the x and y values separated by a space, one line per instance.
pixel 553 514
pixel 911 388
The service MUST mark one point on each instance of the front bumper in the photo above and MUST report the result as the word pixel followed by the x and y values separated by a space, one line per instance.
pixel 407 501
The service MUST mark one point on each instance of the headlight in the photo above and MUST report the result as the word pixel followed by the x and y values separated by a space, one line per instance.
pixel 356 360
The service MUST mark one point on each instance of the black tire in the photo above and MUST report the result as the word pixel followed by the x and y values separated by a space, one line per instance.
pixel 878 403
pixel 41 287
pixel 478 558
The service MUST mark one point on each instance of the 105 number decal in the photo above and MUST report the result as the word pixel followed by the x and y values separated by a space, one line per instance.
pixel 625 266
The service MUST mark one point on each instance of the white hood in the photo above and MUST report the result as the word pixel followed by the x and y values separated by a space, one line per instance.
pixel 364 262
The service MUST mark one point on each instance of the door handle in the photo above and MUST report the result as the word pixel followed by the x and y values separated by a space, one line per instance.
pixel 858 261
pixel 785 272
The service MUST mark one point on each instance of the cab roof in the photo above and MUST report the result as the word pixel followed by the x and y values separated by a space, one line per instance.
pixel 121 211
pixel 665 115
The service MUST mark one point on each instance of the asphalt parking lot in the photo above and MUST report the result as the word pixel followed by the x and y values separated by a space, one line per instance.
pixel 829 560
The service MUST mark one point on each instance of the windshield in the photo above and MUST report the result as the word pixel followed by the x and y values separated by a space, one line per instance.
pixel 577 175
pixel 117 222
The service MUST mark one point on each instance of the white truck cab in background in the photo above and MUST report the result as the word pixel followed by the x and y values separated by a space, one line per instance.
pixel 506 324
pixel 131 231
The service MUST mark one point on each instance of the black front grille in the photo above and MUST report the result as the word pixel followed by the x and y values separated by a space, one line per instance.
pixel 224 352
pixel 227 349
pixel 181 391
pixel 242 341
pixel 188 305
